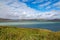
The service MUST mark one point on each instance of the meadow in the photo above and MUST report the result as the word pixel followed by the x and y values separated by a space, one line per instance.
pixel 16 33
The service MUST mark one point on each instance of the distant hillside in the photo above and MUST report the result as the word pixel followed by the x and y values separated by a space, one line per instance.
pixel 17 20
pixel 3 20
pixel 54 20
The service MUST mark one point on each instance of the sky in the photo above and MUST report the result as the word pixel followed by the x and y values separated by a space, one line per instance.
pixel 30 9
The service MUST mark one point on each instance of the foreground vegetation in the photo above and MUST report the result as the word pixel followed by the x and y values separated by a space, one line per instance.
pixel 14 33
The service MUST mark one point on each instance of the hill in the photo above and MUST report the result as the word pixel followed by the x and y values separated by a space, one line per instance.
pixel 14 33
pixel 18 20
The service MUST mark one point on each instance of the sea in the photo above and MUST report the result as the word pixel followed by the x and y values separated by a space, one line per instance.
pixel 54 26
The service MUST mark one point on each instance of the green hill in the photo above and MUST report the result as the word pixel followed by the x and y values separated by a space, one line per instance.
pixel 14 33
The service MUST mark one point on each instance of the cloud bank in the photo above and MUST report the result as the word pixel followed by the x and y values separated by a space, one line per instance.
pixel 13 9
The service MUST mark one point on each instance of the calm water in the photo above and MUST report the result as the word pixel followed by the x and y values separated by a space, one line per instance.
pixel 54 26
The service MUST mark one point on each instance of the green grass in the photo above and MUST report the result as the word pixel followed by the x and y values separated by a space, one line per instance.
pixel 14 33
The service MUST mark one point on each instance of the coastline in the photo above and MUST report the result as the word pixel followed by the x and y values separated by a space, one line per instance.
pixel 54 26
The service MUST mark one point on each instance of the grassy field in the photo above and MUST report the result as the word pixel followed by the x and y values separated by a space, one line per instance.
pixel 14 33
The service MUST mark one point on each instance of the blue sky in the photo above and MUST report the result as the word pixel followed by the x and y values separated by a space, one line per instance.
pixel 30 9
pixel 36 4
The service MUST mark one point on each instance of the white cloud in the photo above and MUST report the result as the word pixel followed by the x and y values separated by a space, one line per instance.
pixel 16 10
pixel 57 4
pixel 19 10
pixel 51 15
pixel 45 4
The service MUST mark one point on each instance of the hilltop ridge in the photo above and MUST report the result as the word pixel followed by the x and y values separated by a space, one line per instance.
pixel 17 20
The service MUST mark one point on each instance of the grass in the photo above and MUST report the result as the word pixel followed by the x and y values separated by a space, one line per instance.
pixel 14 33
